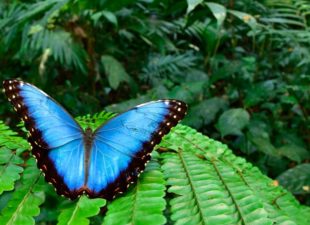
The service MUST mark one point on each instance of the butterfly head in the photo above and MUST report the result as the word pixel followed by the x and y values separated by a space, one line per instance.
pixel 88 137
pixel 88 132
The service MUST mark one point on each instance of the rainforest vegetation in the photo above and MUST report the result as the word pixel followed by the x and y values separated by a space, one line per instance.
pixel 242 67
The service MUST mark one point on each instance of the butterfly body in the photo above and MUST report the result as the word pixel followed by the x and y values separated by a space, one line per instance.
pixel 100 163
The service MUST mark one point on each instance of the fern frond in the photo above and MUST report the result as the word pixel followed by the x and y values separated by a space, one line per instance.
pixel 213 189
pixel 204 173
pixel 63 48
pixel 95 120
pixel 206 183
pixel 11 146
pixel 27 198
pixel 80 212
pixel 39 7
pixel 11 140
pixel 9 169
pixel 286 13
pixel 144 203
pixel 161 66
pixel 192 187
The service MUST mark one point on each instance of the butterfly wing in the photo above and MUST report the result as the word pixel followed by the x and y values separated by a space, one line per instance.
pixel 122 146
pixel 56 139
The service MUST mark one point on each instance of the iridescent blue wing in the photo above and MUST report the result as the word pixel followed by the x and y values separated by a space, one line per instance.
pixel 56 139
pixel 122 146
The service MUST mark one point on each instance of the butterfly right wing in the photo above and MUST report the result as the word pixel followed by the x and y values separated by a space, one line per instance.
pixel 56 139
pixel 121 147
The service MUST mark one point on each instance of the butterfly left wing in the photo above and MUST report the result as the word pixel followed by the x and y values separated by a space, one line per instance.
pixel 48 123
pixel 57 140
pixel 122 146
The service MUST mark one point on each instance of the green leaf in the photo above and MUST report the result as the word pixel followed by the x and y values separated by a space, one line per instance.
pixel 259 92
pixel 9 139
pixel 218 11
pixel 210 184
pixel 81 211
pixel 294 152
pixel 114 70
pixel 143 203
pixel 10 161
pixel 24 204
pixel 297 179
pixel 61 45
pixel 107 14
pixel 246 18
pixel 264 145
pixel 9 171
pixel 95 120
pixel 193 91
pixel 232 121
pixel 191 5
pixel 205 112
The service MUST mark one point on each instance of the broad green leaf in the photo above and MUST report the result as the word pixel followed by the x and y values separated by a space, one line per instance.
pixel 79 212
pixel 114 70
pixel 205 112
pixel 107 14
pixel 232 121
pixel 219 12
pixel 191 5
pixel 294 152
pixel 264 145
pixel 297 179
pixel 193 90
pixel 246 18
pixel 110 17
pixel 259 92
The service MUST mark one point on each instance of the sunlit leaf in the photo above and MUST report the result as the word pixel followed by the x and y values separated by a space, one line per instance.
pixel 104 13
pixel 191 4
pixel 245 17
pixel 219 12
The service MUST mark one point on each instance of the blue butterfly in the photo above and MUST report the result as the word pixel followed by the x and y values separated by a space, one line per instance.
pixel 100 163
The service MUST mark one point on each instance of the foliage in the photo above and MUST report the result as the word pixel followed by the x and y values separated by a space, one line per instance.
pixel 143 203
pixel 191 179
pixel 241 66
pixel 80 211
